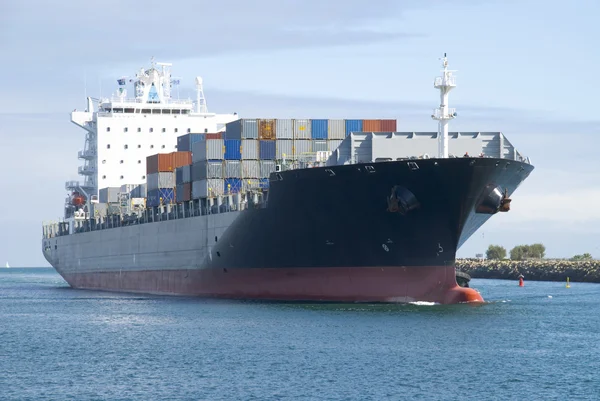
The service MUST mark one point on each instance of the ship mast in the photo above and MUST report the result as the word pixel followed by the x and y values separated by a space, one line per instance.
pixel 443 114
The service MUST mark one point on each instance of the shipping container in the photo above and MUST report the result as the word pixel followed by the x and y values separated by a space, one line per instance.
pixel 353 126
pixel 139 191
pixel 266 150
pixel 159 162
pixel 266 129
pixel 181 159
pixel 183 192
pixel 284 148
pixel 187 174
pixel 250 169
pixel 319 145
pixel 250 149
pixel 179 176
pixel 266 168
pixel 179 193
pixel 371 125
pixel 207 188
pixel 127 188
pixel 160 196
pixel 333 144
pixel 207 169
pixel 245 128
pixel 160 180
pixel 187 192
pixel 283 129
pixel 211 149
pixel 184 142
pixel 233 168
pixel 109 194
pixel 301 129
pixel 232 186
pixel 318 129
pixel 216 135
pixel 233 149
pixel 388 125
pixel 301 147
pixel 336 129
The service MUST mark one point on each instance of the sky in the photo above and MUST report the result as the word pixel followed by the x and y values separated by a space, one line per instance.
pixel 526 68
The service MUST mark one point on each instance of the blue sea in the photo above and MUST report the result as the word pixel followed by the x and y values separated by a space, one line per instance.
pixel 538 342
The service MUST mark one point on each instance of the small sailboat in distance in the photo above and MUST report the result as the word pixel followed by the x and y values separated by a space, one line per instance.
pixel 7 266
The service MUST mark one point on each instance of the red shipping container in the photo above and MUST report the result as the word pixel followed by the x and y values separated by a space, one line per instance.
pixel 218 135
pixel 187 192
pixel 371 126
pixel 388 126
pixel 162 162
pixel 181 159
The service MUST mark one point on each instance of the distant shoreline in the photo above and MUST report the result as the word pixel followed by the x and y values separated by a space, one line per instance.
pixel 534 270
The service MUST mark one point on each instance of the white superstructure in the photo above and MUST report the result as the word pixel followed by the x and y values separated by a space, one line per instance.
pixel 122 131
pixel 443 114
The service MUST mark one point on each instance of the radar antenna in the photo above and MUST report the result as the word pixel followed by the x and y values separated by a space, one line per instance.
pixel 443 114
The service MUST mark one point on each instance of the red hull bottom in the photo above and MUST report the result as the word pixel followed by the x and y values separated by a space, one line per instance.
pixel 333 284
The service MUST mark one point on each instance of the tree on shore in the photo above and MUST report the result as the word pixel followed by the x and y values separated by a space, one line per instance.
pixel 522 252
pixel 495 252
pixel 585 256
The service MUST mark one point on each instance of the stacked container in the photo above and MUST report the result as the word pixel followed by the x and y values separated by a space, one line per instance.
pixel 183 181
pixel 161 176
pixel 185 142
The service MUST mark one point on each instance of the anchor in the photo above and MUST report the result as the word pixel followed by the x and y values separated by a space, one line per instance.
pixel 505 202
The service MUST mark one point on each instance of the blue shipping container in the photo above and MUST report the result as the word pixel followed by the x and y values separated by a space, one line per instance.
pixel 353 126
pixel 232 185
pixel 318 129
pixel 178 176
pixel 267 150
pixel 154 196
pixel 233 149
pixel 264 183
pixel 185 142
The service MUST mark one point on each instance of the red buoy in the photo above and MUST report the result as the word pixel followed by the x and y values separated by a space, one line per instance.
pixel 521 282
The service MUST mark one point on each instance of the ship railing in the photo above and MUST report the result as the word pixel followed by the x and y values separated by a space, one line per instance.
pixel 438 113
pixel 122 100
pixel 193 208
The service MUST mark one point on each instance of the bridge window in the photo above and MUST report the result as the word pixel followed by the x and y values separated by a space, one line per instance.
pixel 162 147
pixel 189 130
pixel 125 147
pixel 103 177
pixel 164 130
pixel 139 146
pixel 121 162
pixel 151 129
pixel 139 162
pixel 143 177
pixel 121 177
pixel 125 129
pixel 139 129
pixel 151 146
pixel 108 146
pixel 176 129
pixel 107 129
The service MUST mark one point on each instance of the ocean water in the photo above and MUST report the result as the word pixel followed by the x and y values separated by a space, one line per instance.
pixel 539 342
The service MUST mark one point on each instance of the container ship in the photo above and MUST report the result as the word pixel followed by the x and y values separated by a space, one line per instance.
pixel 177 200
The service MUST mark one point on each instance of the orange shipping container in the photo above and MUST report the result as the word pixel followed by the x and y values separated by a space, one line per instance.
pixel 371 126
pixel 266 129
pixel 181 159
pixel 388 126
pixel 162 162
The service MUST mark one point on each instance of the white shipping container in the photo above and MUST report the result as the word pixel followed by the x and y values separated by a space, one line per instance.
pixel 233 169
pixel 206 188
pixel 250 149
pixel 109 194
pixel 302 146
pixel 210 149
pixel 160 180
pixel 284 147
pixel 319 145
pixel 302 129
pixel 250 169
pixel 266 168
pixel 284 129
pixel 187 174
pixel 336 129
pixel 333 144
